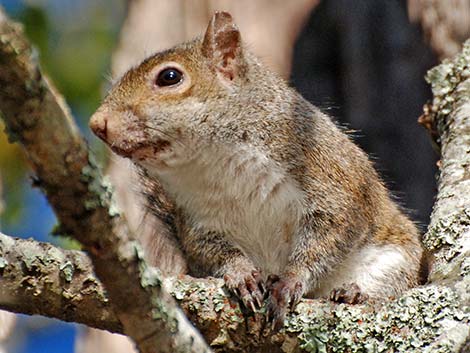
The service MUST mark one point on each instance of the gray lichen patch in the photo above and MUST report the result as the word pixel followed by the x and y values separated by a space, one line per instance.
pixel 453 335
pixel 409 324
pixel 451 236
pixel 66 271
pixel 3 263
pixel 100 188
pixel 31 261
pixel 444 79
pixel 447 231
pixel 448 236
pixel 151 277
pixel 206 298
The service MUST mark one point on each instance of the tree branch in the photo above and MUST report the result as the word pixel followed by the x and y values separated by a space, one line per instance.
pixel 448 234
pixel 59 283
pixel 36 116
pixel 41 279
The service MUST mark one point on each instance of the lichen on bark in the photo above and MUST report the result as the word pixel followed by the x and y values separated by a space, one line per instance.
pixel 448 235
pixel 408 324
pixel 39 278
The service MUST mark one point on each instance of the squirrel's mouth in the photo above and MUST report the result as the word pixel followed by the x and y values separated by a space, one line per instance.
pixel 141 151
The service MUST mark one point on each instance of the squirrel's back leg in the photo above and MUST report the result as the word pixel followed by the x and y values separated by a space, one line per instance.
pixel 377 271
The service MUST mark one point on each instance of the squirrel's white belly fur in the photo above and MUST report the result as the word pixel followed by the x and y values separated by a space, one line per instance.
pixel 242 194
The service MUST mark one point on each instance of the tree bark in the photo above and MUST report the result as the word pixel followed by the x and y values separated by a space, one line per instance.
pixel 7 319
pixel 432 318
pixel 39 278
pixel 448 116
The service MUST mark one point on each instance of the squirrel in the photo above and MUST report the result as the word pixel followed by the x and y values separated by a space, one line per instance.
pixel 255 180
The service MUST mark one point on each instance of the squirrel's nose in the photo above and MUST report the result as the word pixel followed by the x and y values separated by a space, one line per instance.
pixel 99 125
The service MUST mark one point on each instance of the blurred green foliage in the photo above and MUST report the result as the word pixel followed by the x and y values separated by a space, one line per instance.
pixel 75 41
pixel 12 171
pixel 75 50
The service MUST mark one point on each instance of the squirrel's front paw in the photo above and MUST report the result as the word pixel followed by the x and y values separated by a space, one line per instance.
pixel 248 285
pixel 284 294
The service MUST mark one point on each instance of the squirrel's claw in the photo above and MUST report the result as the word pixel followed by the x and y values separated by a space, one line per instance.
pixel 260 282
pixel 349 294
pixel 284 295
pixel 248 287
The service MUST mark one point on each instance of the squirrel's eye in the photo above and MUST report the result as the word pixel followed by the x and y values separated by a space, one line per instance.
pixel 169 77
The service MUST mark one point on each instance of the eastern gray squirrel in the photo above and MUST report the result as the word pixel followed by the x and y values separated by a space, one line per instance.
pixel 255 180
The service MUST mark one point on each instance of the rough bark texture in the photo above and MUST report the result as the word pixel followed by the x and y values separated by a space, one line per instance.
pixel 433 318
pixel 449 116
pixel 36 116
pixel 39 278
pixel 425 319
pixel 7 319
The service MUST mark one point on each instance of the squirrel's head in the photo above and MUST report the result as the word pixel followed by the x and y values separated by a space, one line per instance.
pixel 174 101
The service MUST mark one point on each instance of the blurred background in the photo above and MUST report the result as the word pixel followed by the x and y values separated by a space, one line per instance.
pixel 363 62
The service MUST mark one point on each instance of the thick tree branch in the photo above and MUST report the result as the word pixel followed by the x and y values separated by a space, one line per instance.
pixel 59 283
pixel 449 115
pixel 39 278
pixel 37 116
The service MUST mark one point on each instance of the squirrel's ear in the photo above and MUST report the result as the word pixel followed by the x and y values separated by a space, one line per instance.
pixel 222 46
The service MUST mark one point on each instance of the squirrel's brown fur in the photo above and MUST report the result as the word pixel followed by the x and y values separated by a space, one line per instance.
pixel 257 179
